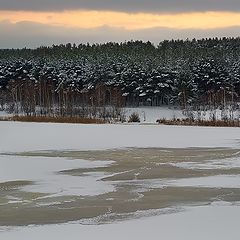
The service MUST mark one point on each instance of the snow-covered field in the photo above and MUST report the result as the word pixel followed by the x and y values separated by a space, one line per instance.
pixel 212 220
pixel 146 114
pixel 152 114
pixel 4 114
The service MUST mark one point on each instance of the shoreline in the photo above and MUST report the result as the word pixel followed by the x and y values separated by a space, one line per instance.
pixel 79 120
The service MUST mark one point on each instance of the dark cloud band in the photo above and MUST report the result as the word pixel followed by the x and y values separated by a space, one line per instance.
pixel 30 34
pixel 123 5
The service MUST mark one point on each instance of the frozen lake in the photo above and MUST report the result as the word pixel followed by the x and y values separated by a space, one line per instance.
pixel 115 188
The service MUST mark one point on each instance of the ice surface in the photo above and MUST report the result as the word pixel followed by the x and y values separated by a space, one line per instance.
pixel 18 136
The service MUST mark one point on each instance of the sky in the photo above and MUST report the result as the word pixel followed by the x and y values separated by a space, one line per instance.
pixel 31 23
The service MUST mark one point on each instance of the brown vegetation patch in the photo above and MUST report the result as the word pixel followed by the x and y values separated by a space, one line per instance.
pixel 53 119
pixel 207 123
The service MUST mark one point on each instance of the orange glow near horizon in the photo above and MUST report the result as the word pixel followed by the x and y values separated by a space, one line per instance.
pixel 134 21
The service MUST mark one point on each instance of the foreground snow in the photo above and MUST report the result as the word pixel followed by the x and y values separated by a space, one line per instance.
pixel 207 222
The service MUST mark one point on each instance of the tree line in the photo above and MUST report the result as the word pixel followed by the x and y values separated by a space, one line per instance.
pixel 70 79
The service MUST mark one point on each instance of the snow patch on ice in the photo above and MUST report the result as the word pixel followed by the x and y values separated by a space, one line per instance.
pixel 43 171
pixel 218 181
pixel 228 163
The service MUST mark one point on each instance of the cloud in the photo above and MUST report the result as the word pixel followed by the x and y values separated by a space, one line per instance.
pixel 123 5
pixel 94 19
pixel 31 35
